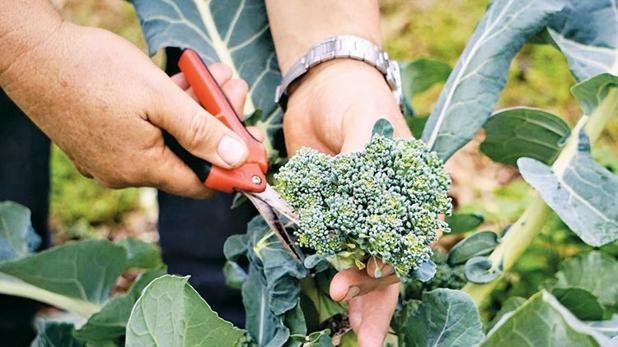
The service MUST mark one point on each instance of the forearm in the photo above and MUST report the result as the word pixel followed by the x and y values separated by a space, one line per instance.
pixel 25 25
pixel 296 25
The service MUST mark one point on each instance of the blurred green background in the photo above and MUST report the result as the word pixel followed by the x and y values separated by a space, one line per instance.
pixel 436 29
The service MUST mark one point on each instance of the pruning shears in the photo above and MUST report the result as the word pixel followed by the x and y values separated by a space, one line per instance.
pixel 248 179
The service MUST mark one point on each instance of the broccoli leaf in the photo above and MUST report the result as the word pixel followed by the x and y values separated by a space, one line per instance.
pixel 508 306
pixel 235 33
pixel 479 76
pixel 591 92
pixel 419 75
pixel 171 313
pixel 54 333
pixel 234 274
pixel 110 322
pixel 542 321
pixel 583 194
pixel 141 254
pixel 481 243
pixel 519 132
pixel 85 270
pixel 586 34
pixel 594 272
pixel 480 270
pixel 383 127
pixel 580 302
pixel 446 317
pixel 17 238
pixel 271 289
pixel 464 222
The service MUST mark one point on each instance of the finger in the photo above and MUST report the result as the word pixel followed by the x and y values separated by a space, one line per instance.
pixel 378 308
pixel 236 92
pixel 171 175
pixel 377 269
pixel 351 283
pixel 180 80
pixel 221 72
pixel 256 133
pixel 197 131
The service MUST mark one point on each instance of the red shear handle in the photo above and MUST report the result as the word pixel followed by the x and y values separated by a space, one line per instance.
pixel 249 176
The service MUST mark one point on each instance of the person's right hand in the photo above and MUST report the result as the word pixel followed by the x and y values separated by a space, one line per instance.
pixel 104 103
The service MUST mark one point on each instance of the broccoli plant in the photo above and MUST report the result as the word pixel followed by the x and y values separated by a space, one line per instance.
pixel 385 202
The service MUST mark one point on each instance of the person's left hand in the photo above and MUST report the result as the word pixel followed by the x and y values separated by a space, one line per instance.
pixel 333 110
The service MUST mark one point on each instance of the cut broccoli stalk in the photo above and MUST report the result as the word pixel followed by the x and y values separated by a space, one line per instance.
pixel 385 202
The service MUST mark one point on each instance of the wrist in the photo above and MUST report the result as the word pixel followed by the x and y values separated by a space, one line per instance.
pixel 343 71
pixel 21 34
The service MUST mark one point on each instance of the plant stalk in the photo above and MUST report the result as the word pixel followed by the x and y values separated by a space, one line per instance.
pixel 529 225
pixel 25 290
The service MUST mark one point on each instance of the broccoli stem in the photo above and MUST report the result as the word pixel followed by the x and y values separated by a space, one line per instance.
pixel 529 225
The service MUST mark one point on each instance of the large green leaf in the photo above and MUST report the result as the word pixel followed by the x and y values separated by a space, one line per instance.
pixel 17 238
pixel 110 322
pixel 591 92
pixel 171 313
pixel 85 270
pixel 519 132
pixel 479 76
pixel 586 33
pixel 542 321
pixel 233 32
pixel 446 317
pixel 464 222
pixel 419 75
pixel 508 306
pixel 580 302
pixel 594 272
pixel 584 194
pixel 481 243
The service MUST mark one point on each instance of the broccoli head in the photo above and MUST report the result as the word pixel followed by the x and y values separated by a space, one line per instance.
pixel 384 202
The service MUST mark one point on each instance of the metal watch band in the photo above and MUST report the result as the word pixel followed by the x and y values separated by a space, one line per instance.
pixel 346 46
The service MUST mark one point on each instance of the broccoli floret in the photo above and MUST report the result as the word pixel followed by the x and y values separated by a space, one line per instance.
pixel 385 201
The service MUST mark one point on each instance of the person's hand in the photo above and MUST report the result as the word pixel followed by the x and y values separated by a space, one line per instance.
pixel 105 104
pixel 333 110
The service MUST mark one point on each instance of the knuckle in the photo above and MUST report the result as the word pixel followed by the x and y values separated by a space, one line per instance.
pixel 201 130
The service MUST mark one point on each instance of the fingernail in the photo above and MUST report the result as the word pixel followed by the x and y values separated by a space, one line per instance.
pixel 231 150
pixel 387 270
pixel 352 292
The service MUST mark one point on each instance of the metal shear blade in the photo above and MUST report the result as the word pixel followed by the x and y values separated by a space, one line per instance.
pixel 268 203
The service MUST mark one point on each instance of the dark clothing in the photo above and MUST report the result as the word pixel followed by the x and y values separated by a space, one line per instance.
pixel 24 178
pixel 192 232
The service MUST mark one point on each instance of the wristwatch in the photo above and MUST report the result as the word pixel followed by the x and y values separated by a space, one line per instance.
pixel 346 46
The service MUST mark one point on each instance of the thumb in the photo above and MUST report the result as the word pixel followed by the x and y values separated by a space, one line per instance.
pixel 197 131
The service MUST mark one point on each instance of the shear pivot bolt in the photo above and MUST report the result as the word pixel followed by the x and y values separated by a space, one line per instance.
pixel 256 180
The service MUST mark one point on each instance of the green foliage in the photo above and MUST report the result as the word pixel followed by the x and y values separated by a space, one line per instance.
pixel 474 86
pixel 384 202
pixel 545 323
pixel 55 333
pixel 17 238
pixel 600 282
pixel 524 132
pixel 481 243
pixel 464 222
pixel 445 317
pixel 582 194
pixel 108 324
pixel 171 313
